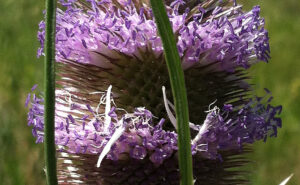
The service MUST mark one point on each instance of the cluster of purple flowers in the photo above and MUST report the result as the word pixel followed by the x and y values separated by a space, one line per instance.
pixel 141 134
pixel 229 35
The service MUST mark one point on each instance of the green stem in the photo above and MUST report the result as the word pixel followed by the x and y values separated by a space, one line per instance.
pixel 178 89
pixel 49 72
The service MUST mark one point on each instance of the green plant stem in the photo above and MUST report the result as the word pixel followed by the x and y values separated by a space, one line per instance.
pixel 49 72
pixel 178 89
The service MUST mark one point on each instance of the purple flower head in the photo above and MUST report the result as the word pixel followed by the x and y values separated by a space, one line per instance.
pixel 114 118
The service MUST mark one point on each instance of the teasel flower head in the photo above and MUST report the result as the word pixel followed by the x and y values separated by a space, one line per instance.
pixel 115 121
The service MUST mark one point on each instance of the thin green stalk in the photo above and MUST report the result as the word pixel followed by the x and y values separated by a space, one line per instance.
pixel 49 72
pixel 178 90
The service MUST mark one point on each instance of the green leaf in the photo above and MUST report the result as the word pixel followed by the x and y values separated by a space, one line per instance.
pixel 178 89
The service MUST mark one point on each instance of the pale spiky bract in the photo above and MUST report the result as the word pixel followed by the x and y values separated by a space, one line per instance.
pixel 109 100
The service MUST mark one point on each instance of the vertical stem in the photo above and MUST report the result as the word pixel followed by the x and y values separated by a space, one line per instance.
pixel 178 89
pixel 49 72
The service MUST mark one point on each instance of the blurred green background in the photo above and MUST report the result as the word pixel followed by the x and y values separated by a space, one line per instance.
pixel 21 160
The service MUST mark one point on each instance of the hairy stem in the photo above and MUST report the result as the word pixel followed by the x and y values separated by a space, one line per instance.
pixel 49 72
